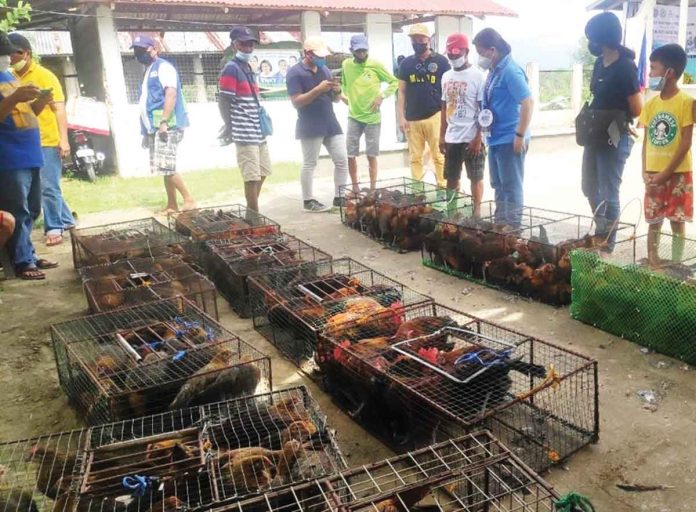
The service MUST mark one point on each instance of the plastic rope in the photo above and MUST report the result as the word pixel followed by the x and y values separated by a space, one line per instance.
pixel 475 357
pixel 574 502
pixel 138 485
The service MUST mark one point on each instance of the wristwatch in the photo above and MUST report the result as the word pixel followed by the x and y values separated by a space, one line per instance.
pixel 520 135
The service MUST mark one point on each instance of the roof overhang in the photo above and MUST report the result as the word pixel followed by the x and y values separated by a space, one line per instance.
pixel 606 5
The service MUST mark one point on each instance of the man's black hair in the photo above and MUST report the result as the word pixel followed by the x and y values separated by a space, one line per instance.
pixel 670 56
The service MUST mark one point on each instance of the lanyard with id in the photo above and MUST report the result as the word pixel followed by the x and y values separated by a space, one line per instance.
pixel 485 117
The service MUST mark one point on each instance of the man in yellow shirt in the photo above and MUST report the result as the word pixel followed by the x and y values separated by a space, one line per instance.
pixel 53 126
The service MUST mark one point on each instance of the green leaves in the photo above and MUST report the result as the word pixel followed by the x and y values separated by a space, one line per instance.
pixel 13 15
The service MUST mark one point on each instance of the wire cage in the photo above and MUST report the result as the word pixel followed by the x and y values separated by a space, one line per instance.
pixel 186 459
pixel 531 258
pixel 651 303
pixel 222 223
pixel 110 243
pixel 229 263
pixel 292 306
pixel 433 373
pixel 150 358
pixel 391 214
pixel 471 473
pixel 139 280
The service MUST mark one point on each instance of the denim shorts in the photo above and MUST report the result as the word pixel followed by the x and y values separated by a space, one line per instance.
pixel 355 131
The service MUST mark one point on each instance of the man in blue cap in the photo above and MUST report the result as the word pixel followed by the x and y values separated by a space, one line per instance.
pixel 361 82
pixel 163 118
pixel 240 110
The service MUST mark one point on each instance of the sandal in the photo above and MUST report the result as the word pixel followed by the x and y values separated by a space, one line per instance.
pixel 31 273
pixel 45 264
pixel 52 240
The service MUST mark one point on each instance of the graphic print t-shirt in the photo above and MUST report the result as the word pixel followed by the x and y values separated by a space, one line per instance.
pixel 664 120
pixel 462 93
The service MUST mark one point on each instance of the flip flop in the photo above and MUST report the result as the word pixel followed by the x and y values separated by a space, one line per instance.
pixel 52 240
pixel 31 273
pixel 45 264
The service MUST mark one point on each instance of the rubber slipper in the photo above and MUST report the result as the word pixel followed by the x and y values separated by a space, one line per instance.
pixel 52 240
pixel 45 264
pixel 31 274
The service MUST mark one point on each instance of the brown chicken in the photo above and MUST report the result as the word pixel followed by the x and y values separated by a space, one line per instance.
pixel 424 326
pixel 288 411
pixel 300 430
pixel 168 504
pixel 52 465
pixel 257 468
pixel 171 451
pixel 283 459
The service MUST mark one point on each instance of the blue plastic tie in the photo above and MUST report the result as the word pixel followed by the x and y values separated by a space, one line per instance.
pixel 475 357
pixel 138 485
pixel 155 345
pixel 179 355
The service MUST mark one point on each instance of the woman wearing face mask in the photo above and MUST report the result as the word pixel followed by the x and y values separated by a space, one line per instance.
pixel 615 91
pixel 506 114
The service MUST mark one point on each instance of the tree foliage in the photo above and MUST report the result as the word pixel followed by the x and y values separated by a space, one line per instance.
pixel 582 55
pixel 13 15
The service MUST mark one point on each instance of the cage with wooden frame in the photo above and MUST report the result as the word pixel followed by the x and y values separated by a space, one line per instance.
pixel 101 245
pixel 151 358
pixel 292 306
pixel 437 372
pixel 222 222
pixel 471 473
pixel 230 263
pixel 187 459
pixel 139 280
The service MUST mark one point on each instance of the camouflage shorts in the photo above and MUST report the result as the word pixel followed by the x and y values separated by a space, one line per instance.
pixel 163 153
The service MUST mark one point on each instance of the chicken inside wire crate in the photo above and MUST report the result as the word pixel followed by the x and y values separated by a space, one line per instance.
pixel 392 214
pixel 230 263
pixel 181 460
pixel 434 372
pixel 471 473
pixel 150 358
pixel 531 258
pixel 110 243
pixel 139 280
pixel 222 222
pixel 651 303
pixel 292 306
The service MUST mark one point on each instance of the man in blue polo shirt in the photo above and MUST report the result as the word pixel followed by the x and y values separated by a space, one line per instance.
pixel 313 92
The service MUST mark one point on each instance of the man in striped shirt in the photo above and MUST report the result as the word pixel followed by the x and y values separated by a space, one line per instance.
pixel 239 107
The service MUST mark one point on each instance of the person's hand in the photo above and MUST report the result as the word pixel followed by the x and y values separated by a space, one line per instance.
pixel 647 178
pixel 25 93
pixel 475 145
pixel 64 148
pixel 404 125
pixel 518 145
pixel 326 86
pixel 659 179
pixel 442 145
pixel 145 142
pixel 162 131
pixel 377 104
pixel 336 86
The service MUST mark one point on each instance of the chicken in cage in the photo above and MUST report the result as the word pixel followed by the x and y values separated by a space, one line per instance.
pixel 139 280
pixel 159 356
pixel 222 223
pixel 102 245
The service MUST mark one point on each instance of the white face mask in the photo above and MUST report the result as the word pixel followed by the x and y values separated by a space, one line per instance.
pixel 458 62
pixel 484 62
pixel 4 63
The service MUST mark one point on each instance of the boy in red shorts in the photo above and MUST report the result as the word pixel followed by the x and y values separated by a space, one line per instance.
pixel 668 119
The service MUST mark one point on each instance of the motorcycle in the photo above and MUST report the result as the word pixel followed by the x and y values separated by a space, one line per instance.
pixel 87 162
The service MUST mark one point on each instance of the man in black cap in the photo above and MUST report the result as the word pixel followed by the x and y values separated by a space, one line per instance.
pixel 241 112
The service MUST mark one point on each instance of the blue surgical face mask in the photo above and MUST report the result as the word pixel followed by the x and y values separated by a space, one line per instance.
pixel 243 56
pixel 319 61
pixel 656 83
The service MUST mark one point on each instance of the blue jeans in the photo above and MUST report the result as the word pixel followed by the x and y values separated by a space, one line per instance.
pixel 507 180
pixel 602 169
pixel 20 194
pixel 57 215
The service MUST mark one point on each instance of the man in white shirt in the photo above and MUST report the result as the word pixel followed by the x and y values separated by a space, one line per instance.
pixel 460 132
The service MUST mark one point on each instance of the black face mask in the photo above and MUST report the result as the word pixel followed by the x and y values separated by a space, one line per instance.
pixel 359 60
pixel 420 48
pixel 594 48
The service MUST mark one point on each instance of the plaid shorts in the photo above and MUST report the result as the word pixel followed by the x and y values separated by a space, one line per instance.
pixel 673 201
pixel 163 153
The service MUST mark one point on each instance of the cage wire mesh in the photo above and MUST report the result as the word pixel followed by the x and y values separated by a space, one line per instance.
pixel 222 223
pixel 651 304
pixel 431 372
pixel 110 243
pixel 531 258
pixel 391 213
pixel 150 358
pixel 230 263
pixel 471 473
pixel 186 459
pixel 139 280
pixel 291 307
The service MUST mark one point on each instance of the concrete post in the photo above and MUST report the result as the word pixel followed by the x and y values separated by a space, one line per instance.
pixel 466 27
pixel 72 84
pixel 533 76
pixel 444 26
pixel 310 24
pixel 378 28
pixel 576 88
pixel 683 21
pixel 199 79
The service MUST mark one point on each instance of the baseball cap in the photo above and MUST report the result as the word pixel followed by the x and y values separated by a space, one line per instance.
pixel 456 43
pixel 419 30
pixel 19 41
pixel 358 42
pixel 143 41
pixel 6 46
pixel 317 46
pixel 242 34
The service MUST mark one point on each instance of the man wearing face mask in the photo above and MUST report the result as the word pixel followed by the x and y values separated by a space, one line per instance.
pixel 418 102
pixel 20 160
pixel 53 126
pixel 361 82
pixel 313 91
pixel 163 118
pixel 239 107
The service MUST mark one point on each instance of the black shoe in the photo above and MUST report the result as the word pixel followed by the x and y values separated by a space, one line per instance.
pixel 314 206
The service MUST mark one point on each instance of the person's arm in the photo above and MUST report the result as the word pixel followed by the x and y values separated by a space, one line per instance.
pixel 167 109
pixel 391 81
pixel 62 118
pixel 526 109
pixel 40 102
pixel 635 104
pixel 443 126
pixel 21 94
pixel 401 107
pixel 303 99
pixel 644 159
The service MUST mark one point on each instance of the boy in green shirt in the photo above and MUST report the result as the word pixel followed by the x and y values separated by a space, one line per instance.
pixel 361 83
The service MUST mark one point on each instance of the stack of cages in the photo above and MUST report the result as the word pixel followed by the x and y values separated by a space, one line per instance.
pixel 471 473
pixel 188 459
pixel 143 238
pixel 292 306
pixel 230 263
pixel 528 253
pixel 651 303
pixel 391 213
pixel 435 373
pixel 141 280
pixel 151 358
